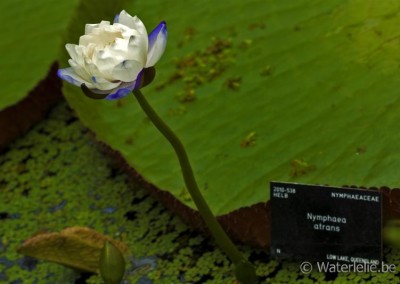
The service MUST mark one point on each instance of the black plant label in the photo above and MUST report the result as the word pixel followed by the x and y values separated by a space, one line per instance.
pixel 322 223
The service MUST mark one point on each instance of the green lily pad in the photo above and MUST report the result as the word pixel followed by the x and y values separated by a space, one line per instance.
pixel 303 91
pixel 30 43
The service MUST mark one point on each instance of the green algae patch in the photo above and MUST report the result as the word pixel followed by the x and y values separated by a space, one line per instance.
pixel 56 176
pixel 391 233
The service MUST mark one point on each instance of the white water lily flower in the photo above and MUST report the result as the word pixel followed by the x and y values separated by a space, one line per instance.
pixel 110 59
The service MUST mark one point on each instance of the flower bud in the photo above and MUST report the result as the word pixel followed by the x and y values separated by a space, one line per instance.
pixel 112 264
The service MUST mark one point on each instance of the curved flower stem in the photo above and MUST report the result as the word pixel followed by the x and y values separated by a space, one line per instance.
pixel 222 239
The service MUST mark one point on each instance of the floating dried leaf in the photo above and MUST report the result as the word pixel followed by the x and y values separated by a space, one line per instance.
pixel 75 247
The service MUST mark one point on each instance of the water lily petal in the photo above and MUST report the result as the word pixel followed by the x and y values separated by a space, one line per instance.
pixel 79 70
pixel 136 25
pixel 121 62
pixel 120 92
pixel 90 27
pixel 132 22
pixel 137 50
pixel 98 80
pixel 86 40
pixel 79 50
pixel 157 43
pixel 103 84
pixel 105 64
pixel 92 32
pixel 70 76
pixel 127 49
pixel 116 18
pixel 104 24
pixel 97 91
pixel 71 49
pixel 138 81
pixel 127 71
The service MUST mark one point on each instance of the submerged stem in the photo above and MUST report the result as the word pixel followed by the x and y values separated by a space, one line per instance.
pixel 222 239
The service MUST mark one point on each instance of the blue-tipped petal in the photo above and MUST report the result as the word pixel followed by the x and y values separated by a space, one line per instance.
pixel 120 93
pixel 161 27
pixel 157 42
pixel 116 18
pixel 138 81
pixel 70 76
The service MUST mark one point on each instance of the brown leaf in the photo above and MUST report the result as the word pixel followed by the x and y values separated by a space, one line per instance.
pixel 76 247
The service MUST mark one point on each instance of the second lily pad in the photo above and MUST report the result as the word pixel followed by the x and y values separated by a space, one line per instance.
pixel 301 91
